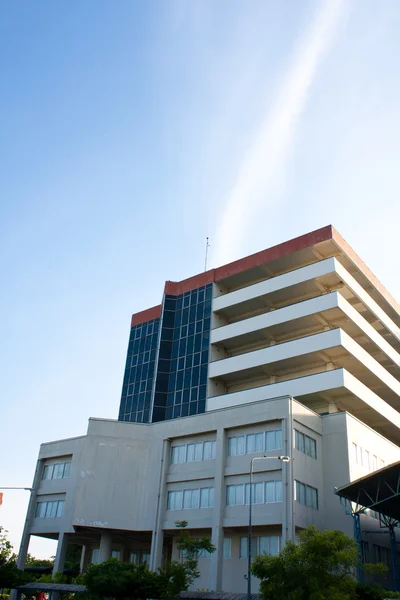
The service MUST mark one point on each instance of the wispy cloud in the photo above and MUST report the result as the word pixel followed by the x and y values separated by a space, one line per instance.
pixel 263 164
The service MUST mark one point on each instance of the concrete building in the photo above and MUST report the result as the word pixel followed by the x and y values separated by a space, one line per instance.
pixel 291 351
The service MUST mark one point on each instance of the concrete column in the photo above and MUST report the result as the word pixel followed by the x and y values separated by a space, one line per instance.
pixel 217 535
pixel 83 559
pixel 105 546
pixel 61 552
pixel 30 514
pixel 157 537
pixel 288 525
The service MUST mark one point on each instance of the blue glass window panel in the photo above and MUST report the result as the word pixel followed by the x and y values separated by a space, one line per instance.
pixel 204 357
pixel 202 392
pixel 199 327
pixel 181 363
pixel 203 374
pixel 168 318
pixel 169 412
pixel 179 380
pixel 201 406
pixel 196 359
pixel 190 345
pixel 169 303
pixel 186 395
pixel 191 328
pixel 192 313
pixel 171 399
pixel 177 412
pixel 197 342
pixel 189 361
pixel 194 393
pixel 187 378
pixel 185 410
pixel 193 408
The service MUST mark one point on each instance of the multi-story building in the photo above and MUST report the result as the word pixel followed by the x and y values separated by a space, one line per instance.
pixel 291 351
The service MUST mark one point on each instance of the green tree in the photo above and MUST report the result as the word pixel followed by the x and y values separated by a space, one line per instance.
pixel 320 567
pixel 9 574
pixel 190 549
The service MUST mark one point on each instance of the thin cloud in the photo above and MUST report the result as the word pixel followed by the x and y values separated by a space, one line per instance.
pixel 260 172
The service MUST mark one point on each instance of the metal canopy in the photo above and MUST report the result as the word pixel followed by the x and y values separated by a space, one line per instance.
pixel 63 588
pixel 379 491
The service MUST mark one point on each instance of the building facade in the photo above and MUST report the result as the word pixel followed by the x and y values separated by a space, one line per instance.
pixel 294 351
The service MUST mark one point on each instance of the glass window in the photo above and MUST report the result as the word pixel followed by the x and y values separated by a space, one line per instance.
pixel 273 439
pixel 67 469
pixel 230 495
pixel 244 546
pixel 175 500
pixel 206 497
pixel 209 450
pixel 60 508
pixel 116 554
pixel 48 472
pixel 178 454
pixel 257 493
pixel 95 556
pixel 227 548
pixel 187 499
pixel 58 471
pixel 51 509
pixel 40 510
pixel 134 558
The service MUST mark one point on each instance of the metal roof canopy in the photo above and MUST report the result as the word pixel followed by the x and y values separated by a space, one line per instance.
pixel 40 586
pixel 379 491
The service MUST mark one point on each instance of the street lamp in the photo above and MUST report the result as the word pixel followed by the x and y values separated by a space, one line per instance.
pixel 284 459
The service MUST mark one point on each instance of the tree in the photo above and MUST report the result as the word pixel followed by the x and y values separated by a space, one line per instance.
pixel 125 580
pixel 9 574
pixel 320 567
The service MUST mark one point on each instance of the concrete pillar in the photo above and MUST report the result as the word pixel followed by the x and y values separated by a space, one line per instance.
pixel 217 535
pixel 60 554
pixel 105 546
pixel 288 524
pixel 83 559
pixel 157 537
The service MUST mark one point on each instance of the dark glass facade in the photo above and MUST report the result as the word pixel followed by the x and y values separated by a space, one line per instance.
pixel 139 372
pixel 182 361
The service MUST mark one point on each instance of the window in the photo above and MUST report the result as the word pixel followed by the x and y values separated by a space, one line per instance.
pixel 381 555
pixel 306 495
pixel 266 491
pixel 227 548
pixel 51 509
pixel 304 443
pixel 138 557
pixel 116 554
pixel 206 497
pixel 209 450
pixel 191 498
pixel 273 439
pixel 273 491
pixel 178 454
pixel 185 499
pixel 365 552
pixel 95 556
pixel 268 544
pixel 56 471
pixel 193 452
pixel 234 494
pixel 236 445
pixel 257 493
pixel 175 500
pixel 255 442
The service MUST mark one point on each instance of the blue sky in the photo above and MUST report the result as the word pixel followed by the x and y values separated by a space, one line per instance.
pixel 130 132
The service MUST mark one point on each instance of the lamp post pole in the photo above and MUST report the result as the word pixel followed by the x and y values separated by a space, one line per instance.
pixel 249 556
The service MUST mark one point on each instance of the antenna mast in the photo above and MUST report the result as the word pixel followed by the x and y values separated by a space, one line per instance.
pixel 207 247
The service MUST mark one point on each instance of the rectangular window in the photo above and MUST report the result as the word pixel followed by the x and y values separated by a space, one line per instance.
pixel 305 444
pixel 116 554
pixel 235 494
pixel 236 445
pixel 244 542
pixel 60 508
pixel 95 556
pixel 273 491
pixel 227 548
pixel 178 455
pixel 306 495
pixel 48 472
pixel 269 544
pixel 254 443
pixel 273 439
pixel 209 450
pixel 40 510
pixel 206 497
pixel 175 500
pixel 194 452
pixel 257 493
pixel 191 498
pixel 56 471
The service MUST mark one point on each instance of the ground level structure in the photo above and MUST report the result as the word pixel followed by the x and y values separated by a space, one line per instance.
pixel 378 492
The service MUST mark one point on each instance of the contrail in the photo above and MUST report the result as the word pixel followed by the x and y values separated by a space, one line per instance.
pixel 270 149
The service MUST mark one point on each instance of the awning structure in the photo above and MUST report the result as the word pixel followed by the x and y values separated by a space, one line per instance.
pixel 62 588
pixel 378 491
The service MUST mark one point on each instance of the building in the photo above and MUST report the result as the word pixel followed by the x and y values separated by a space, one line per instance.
pixel 293 350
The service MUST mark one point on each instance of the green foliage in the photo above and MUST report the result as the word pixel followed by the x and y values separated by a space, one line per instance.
pixel 9 574
pixel 366 591
pixel 190 548
pixel 320 567
pixel 31 561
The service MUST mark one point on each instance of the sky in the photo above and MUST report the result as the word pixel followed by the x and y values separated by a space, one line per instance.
pixel 131 131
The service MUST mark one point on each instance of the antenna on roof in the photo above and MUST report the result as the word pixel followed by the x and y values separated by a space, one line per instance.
pixel 207 247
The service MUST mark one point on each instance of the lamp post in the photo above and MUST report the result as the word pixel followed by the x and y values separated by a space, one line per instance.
pixel 283 459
